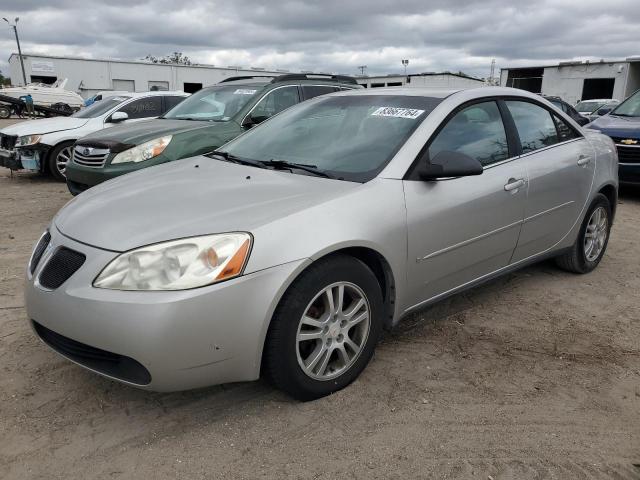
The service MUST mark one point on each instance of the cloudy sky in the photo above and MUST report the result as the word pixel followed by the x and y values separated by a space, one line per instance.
pixel 330 35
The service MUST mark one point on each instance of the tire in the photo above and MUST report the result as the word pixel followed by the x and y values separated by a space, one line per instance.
pixel 580 259
pixel 53 162
pixel 338 334
pixel 5 112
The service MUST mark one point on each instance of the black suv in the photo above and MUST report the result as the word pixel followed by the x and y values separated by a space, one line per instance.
pixel 568 109
pixel 201 123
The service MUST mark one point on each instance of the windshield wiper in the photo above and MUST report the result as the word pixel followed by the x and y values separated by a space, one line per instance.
pixel 233 159
pixel 284 165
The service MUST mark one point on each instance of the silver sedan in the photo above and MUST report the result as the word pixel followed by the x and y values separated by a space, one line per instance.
pixel 289 251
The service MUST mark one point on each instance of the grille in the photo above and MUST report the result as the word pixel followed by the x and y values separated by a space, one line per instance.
pixel 38 251
pixel 90 157
pixel 112 364
pixel 627 153
pixel 63 264
pixel 8 141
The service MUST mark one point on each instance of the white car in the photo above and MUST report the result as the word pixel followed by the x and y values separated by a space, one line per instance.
pixel 46 144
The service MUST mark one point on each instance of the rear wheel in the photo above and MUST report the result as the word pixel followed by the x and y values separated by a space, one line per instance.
pixel 592 241
pixel 5 111
pixel 325 328
pixel 59 157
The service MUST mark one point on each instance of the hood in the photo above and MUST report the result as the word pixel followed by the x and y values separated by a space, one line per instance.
pixel 140 132
pixel 194 196
pixel 614 126
pixel 45 125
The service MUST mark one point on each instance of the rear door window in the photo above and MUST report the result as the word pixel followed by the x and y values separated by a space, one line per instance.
pixel 535 125
pixel 565 131
pixel 310 91
pixel 171 101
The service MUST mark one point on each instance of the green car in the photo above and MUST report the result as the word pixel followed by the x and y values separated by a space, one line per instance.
pixel 201 123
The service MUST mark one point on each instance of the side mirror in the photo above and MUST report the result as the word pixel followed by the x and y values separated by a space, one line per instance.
pixel 118 117
pixel 251 121
pixel 604 111
pixel 448 164
pixel 248 122
pixel 582 121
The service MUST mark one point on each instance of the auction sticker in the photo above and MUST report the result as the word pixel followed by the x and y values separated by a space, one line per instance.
pixel 397 112
pixel 244 91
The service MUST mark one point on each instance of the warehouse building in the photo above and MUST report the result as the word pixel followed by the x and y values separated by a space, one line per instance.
pixel 575 81
pixel 88 76
pixel 429 80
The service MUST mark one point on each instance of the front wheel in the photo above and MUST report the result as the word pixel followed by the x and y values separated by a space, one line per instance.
pixel 592 241
pixel 5 112
pixel 59 157
pixel 325 329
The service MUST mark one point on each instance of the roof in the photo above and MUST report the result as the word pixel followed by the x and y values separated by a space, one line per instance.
pixel 403 92
pixel 575 63
pixel 424 74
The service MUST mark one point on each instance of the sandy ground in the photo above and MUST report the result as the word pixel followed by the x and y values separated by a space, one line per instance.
pixel 536 375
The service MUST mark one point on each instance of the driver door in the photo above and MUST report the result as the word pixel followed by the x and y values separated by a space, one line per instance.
pixel 140 109
pixel 462 229
pixel 273 102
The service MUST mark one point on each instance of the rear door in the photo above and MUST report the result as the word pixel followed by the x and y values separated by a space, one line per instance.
pixel 560 164
pixel 462 229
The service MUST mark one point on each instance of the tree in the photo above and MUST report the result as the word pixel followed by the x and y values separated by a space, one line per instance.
pixel 176 58
pixel 4 80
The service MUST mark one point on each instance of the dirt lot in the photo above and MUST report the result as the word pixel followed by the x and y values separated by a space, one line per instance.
pixel 536 375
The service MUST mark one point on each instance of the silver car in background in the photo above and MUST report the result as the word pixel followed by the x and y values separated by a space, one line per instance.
pixel 289 250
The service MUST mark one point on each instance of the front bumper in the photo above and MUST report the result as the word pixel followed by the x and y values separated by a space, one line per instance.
pixel 183 339
pixel 29 159
pixel 629 173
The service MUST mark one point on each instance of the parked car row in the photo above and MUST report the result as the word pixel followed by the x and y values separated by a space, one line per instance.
pixel 46 145
pixel 622 124
pixel 286 250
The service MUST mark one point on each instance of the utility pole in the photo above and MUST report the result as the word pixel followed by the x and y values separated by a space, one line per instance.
pixel 362 69
pixel 15 31
pixel 493 71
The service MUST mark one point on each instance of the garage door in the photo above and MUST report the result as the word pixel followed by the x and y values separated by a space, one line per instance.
pixel 124 85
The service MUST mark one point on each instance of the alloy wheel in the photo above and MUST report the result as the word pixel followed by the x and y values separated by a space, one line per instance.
pixel 595 236
pixel 333 331
pixel 63 158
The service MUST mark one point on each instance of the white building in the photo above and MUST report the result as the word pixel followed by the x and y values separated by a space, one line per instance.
pixel 429 80
pixel 575 81
pixel 88 76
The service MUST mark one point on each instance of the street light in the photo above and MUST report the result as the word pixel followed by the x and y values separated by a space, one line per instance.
pixel 404 64
pixel 15 31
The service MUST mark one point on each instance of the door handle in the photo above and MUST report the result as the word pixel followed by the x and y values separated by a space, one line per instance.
pixel 583 160
pixel 514 184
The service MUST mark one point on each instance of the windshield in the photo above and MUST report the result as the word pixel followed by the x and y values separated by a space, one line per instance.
pixel 589 106
pixel 214 104
pixel 630 107
pixel 100 107
pixel 349 137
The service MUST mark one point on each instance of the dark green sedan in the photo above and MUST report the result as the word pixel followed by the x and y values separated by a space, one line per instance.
pixel 201 123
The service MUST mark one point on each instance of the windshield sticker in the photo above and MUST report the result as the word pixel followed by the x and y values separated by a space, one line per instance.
pixel 244 91
pixel 396 112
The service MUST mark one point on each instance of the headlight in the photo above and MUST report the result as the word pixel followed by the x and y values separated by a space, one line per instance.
pixel 27 140
pixel 179 264
pixel 147 150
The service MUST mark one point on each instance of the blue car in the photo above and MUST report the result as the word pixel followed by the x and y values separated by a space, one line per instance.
pixel 622 124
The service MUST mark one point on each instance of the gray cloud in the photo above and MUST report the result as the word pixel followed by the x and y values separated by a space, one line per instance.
pixel 331 35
